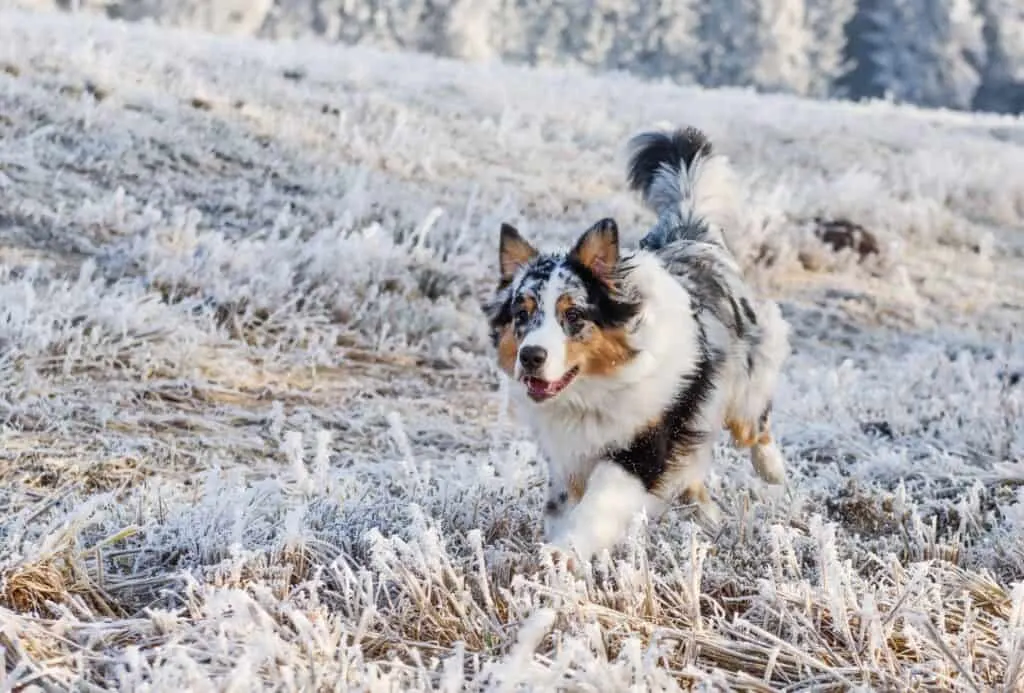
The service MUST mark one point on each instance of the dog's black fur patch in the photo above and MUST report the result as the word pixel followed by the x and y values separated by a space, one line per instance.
pixel 610 310
pixel 679 432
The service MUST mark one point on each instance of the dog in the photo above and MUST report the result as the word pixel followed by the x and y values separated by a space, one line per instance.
pixel 628 363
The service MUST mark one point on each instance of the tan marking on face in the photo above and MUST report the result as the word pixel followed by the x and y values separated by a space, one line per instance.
pixel 600 351
pixel 508 347
pixel 563 304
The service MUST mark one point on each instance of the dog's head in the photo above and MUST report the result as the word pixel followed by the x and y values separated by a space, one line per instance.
pixel 556 317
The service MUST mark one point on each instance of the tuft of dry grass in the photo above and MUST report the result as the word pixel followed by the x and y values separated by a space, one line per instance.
pixel 33 587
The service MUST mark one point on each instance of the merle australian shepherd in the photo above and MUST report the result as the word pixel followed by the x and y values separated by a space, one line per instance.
pixel 628 363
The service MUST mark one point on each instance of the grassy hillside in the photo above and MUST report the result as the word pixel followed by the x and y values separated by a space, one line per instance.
pixel 252 434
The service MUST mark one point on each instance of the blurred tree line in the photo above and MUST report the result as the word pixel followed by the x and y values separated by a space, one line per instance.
pixel 961 54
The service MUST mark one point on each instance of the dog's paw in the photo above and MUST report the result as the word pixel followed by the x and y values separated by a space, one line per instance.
pixel 769 463
pixel 561 552
pixel 705 510
pixel 560 557
pixel 709 516
pixel 554 527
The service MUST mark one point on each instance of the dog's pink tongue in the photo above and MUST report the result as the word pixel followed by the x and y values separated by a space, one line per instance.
pixel 536 386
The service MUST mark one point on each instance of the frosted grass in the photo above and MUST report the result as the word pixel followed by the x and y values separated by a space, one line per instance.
pixel 253 437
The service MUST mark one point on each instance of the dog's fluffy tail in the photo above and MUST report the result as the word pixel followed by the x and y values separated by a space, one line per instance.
pixel 691 189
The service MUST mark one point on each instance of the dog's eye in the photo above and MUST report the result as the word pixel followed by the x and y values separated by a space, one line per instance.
pixel 573 316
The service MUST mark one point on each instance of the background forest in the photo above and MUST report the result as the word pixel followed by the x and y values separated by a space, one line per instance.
pixel 960 54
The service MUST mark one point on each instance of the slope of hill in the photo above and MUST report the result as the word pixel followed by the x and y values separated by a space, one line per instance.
pixel 253 437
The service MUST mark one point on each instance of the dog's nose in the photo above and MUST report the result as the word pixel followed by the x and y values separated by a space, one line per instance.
pixel 532 357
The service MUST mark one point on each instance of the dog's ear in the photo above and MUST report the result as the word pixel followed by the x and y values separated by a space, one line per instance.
pixel 513 251
pixel 598 248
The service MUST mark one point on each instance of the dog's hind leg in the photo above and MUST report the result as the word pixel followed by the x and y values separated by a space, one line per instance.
pixel 696 495
pixel 767 459
pixel 765 455
pixel 687 481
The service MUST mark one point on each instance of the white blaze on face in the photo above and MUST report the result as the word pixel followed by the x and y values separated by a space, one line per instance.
pixel 547 333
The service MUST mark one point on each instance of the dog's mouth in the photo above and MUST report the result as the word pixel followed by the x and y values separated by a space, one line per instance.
pixel 541 390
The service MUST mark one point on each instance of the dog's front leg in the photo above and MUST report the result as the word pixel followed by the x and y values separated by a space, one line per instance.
pixel 555 508
pixel 565 489
pixel 613 497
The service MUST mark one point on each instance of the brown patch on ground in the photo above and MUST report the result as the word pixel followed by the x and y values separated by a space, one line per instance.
pixel 865 513
pixel 33 587
pixel 842 234
pixel 601 353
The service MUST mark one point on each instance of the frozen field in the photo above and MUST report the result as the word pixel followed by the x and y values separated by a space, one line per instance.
pixel 253 438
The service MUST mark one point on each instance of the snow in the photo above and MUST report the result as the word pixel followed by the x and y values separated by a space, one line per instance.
pixel 254 437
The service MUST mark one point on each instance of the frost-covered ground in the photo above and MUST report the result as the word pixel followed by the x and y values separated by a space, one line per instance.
pixel 253 437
